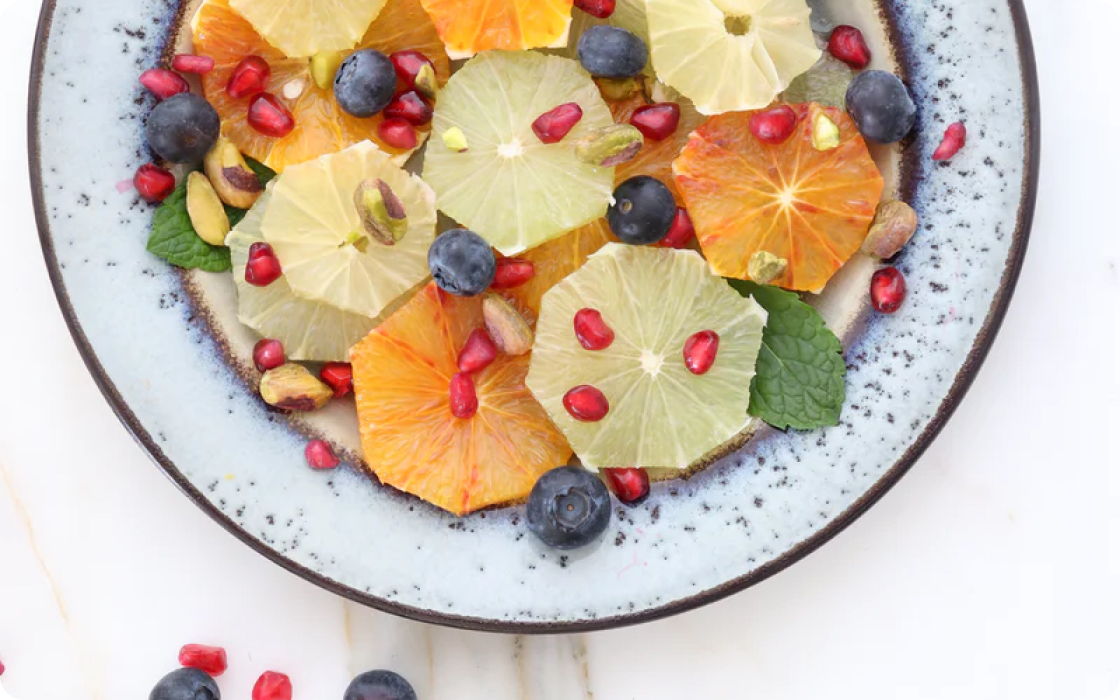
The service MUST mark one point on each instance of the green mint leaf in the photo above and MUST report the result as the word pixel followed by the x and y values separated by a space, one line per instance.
pixel 264 173
pixel 173 237
pixel 235 215
pixel 799 378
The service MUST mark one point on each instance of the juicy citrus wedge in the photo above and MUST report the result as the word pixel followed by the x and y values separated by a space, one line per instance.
pixel 324 250
pixel 306 27
pixel 468 27
pixel 402 372
pixel 654 299
pixel 729 55
pixel 811 207
pixel 321 126
pixel 656 157
pixel 509 187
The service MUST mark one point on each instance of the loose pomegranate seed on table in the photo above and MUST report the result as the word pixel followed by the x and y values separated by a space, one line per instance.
pixel 464 400
pixel 631 485
pixel 398 133
pixel 153 183
pixel 268 354
pixel 407 65
pixel 249 78
pixel 211 660
pixel 953 142
pixel 888 290
pixel 680 233
pixel 848 45
pixel 263 267
pixel 477 353
pixel 587 404
pixel 410 107
pixel 338 376
pixel 272 686
pixel 513 272
pixel 657 122
pixel 601 9
pixel 164 83
pixel 320 455
pixel 556 123
pixel 773 126
pixel 190 63
pixel 700 352
pixel 269 116
pixel 592 331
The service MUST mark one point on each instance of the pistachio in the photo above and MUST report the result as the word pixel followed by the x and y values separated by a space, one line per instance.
pixel 381 211
pixel 455 139
pixel 660 92
pixel 826 135
pixel 426 82
pixel 610 145
pixel 894 226
pixel 235 183
pixel 506 326
pixel 765 267
pixel 620 88
pixel 294 388
pixel 208 216
pixel 324 66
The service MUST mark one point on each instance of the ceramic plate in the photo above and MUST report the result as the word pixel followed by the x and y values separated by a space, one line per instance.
pixel 172 361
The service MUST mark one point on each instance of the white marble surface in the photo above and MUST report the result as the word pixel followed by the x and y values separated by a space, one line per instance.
pixel 990 572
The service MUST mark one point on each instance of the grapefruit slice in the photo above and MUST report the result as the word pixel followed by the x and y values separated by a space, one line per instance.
pixel 468 27
pixel 306 27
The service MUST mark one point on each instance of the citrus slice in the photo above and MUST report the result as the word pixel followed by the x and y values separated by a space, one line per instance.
pixel 509 187
pixel 321 126
pixel 811 207
pixel 468 27
pixel 728 55
pixel 402 374
pixel 306 27
pixel 661 414
pixel 656 157
pixel 313 225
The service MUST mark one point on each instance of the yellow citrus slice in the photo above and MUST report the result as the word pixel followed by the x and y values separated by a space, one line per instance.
pixel 306 27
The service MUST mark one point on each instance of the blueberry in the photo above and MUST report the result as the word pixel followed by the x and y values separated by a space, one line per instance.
pixel 611 52
pixel 186 684
pixel 462 263
pixel 881 106
pixel 568 508
pixel 379 685
pixel 183 128
pixel 643 211
pixel 365 83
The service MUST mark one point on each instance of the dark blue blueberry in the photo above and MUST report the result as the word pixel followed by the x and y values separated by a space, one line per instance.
pixel 186 684
pixel 379 685
pixel 462 263
pixel 183 128
pixel 643 211
pixel 611 52
pixel 568 508
pixel 881 106
pixel 365 83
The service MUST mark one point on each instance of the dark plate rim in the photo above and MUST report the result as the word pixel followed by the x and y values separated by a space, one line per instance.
pixel 969 370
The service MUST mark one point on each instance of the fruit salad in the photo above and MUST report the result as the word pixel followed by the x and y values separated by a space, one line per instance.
pixel 581 252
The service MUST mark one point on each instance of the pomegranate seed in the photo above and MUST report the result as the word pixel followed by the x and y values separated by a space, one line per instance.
pixel 700 352
pixel 681 232
pixel 397 133
pixel 407 65
pixel 587 404
pixel 592 331
pixel 477 353
pixel 269 116
pixel 189 63
pixel 410 107
pixel 1 668
pixel 597 8
pixel 657 122
pixel 774 126
pixel 464 401
pixel 888 290
pixel 513 272
pixel 153 182
pixel 211 660
pixel 272 686
pixel 268 354
pixel 263 267
pixel 848 45
pixel 630 485
pixel 320 455
pixel 556 123
pixel 952 143
pixel 249 78
pixel 338 376
pixel 163 83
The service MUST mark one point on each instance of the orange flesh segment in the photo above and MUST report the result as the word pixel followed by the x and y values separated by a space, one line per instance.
pixel 470 26
pixel 656 157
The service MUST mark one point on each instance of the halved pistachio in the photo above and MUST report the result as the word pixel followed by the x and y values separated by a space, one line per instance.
pixel 610 145
pixel 765 267
pixel 236 184
pixel 381 211
pixel 455 139
pixel 826 135
pixel 208 216
pixel 506 326
pixel 294 388
pixel 426 82
pixel 894 226
pixel 620 88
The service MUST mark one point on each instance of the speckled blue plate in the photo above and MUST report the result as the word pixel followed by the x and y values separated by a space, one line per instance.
pixel 171 359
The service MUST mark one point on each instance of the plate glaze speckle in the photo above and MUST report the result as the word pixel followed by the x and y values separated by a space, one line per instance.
pixel 151 345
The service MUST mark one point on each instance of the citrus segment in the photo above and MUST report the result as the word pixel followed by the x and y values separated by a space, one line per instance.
pixel 306 27
pixel 468 27
pixel 656 157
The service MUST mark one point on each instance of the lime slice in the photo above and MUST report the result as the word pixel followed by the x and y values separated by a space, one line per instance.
pixel 313 225
pixel 302 28
pixel 654 299
pixel 508 186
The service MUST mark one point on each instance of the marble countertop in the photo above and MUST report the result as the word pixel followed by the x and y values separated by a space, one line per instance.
pixel 990 572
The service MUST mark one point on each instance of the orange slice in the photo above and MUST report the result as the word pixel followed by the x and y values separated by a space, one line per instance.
pixel 402 371
pixel 321 126
pixel 470 26
pixel 656 157
pixel 811 207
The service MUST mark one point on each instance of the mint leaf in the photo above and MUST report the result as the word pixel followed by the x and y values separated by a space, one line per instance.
pixel 264 174
pixel 174 239
pixel 799 378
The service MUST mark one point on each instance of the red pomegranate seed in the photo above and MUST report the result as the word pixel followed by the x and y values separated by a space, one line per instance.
pixel 263 267
pixel 597 8
pixel 338 376
pixel 775 125
pixel 190 63
pixel 320 455
pixel 587 404
pixel 464 400
pixel 848 45
pixel 268 354
pixel 952 143
pixel 249 78
pixel 163 83
pixel 153 182
pixel 407 65
pixel 272 686
pixel 630 485
pixel 657 122
pixel 700 352
pixel 513 272
pixel 556 123
pixel 211 660
pixel 477 353
pixel 681 232
pixel 1 668
pixel 398 133
pixel 410 107
pixel 592 331
pixel 888 290
pixel 269 116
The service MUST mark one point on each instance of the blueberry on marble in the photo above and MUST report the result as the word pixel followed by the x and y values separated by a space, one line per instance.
pixel 462 263
pixel 379 685
pixel 183 128
pixel 569 508
pixel 881 106
pixel 365 83
pixel 612 52
pixel 186 684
